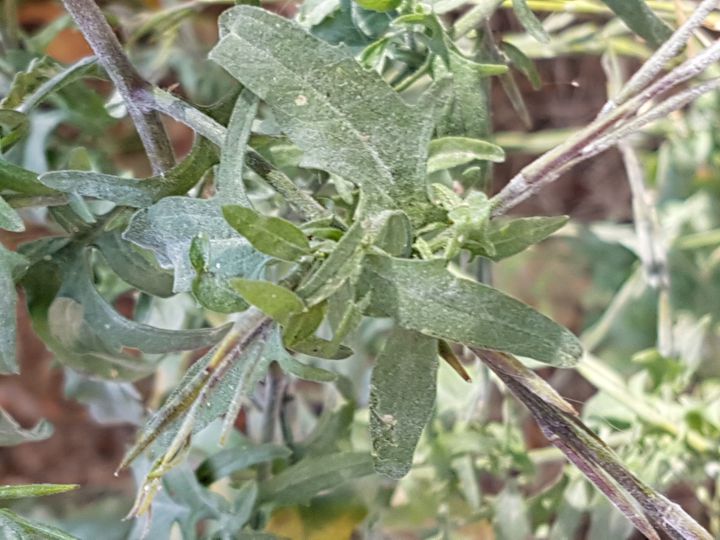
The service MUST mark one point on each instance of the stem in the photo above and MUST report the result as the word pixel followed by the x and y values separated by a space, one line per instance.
pixel 664 54
pixel 560 424
pixel 127 80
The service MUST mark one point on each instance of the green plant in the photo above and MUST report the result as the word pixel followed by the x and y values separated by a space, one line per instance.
pixel 386 217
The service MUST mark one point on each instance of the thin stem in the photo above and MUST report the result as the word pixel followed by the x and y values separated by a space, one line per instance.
pixel 127 80
pixel 561 425
pixel 667 51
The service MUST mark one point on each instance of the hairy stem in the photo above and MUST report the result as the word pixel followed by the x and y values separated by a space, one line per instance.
pixel 127 80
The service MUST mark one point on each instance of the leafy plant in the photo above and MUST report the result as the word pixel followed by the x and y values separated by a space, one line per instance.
pixel 335 205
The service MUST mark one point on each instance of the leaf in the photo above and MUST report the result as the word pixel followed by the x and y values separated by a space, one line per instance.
pixel 235 459
pixel 134 265
pixel 25 82
pixel 321 348
pixel 301 482
pixel 347 120
pixel 221 261
pixel 11 434
pixel 230 186
pixel 449 152
pixel 273 236
pixel 13 526
pixel 108 402
pixel 641 20
pixel 217 383
pixel 302 371
pixel 10 262
pixel 392 232
pixel 14 126
pixel 402 397
pixel 511 237
pixel 273 300
pixel 379 5
pixel 342 263
pixel 530 22
pixel 424 296
pixel 468 113
pixel 302 325
pixel 9 219
pixel 168 227
pixel 86 333
pixel 511 514
pixel 21 180
pixel 131 191
pixel 34 490
pixel 523 63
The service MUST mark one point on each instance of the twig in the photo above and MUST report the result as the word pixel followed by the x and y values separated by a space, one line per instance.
pixel 663 55
pixel 127 80
pixel 560 424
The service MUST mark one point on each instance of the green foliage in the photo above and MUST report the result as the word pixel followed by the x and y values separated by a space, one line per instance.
pixel 335 206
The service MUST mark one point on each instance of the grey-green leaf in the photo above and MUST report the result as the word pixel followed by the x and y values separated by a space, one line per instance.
pixel 168 227
pixel 449 152
pixel 235 459
pixel 424 296
pixel 131 191
pixel 511 237
pixel 347 120
pixel 271 235
pixel 340 266
pixel 9 219
pixel 402 397
pixel 641 20
pixel 12 434
pixel 302 481
pixel 530 22
pixel 9 263
pixel 230 186
pixel 16 527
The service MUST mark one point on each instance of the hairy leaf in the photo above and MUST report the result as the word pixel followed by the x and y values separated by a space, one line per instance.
pixel 511 237
pixel 348 121
pixel 9 219
pixel 9 263
pixel 21 180
pixel 235 459
pixel 273 300
pixel 402 397
pixel 131 191
pixel 134 265
pixel 86 333
pixel 168 227
pixel 13 526
pixel 449 152
pixel 342 263
pixel 12 434
pixel 641 20
pixel 273 236
pixel 424 296
pixel 230 186
pixel 302 481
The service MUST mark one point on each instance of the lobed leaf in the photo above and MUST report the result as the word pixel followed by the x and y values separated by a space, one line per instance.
pixel 348 121
pixel 11 434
